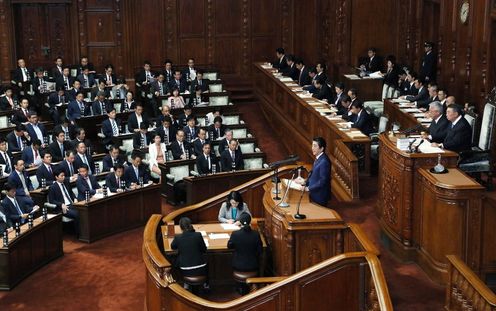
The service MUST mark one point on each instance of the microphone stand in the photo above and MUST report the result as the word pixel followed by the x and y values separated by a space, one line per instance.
pixel 282 203
pixel 276 181
pixel 298 215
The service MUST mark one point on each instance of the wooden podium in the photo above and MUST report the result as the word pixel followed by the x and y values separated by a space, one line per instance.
pixel 451 220
pixel 398 194
pixel 300 243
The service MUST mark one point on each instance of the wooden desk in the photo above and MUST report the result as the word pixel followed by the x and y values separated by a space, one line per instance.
pixel 220 257
pixel 451 221
pixel 203 187
pixel 30 251
pixel 397 202
pixel 406 120
pixel 290 113
pixel 118 212
pixel 368 88
pixel 299 244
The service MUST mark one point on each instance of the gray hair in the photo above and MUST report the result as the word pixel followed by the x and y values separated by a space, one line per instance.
pixel 436 105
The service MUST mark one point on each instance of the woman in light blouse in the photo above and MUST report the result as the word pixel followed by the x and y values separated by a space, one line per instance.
pixel 176 100
pixel 231 210
pixel 157 152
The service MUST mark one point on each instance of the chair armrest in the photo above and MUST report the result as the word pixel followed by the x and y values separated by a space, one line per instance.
pixel 470 156
pixel 265 280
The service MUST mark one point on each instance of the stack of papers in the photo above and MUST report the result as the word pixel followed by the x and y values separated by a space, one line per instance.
pixel 376 75
pixel 425 120
pixel 353 134
pixel 398 100
pixel 419 115
pixel 229 226
pixel 218 236
pixel 305 95
pixel 352 77
pixel 410 109
pixel 427 148
pixel 335 118
pixel 285 79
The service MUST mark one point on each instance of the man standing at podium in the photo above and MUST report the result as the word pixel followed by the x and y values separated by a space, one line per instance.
pixel 319 179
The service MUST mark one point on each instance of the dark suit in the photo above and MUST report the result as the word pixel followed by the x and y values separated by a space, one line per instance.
pixel 99 108
pixel 60 82
pixel 78 162
pixel 130 175
pixel 105 78
pixel 428 67
pixel 108 163
pixel 68 169
pixel 422 95
pixel 203 84
pixel 198 146
pixel 292 72
pixel 392 77
pixel 247 247
pixel 177 151
pixel 191 249
pixel 324 93
pixel 425 102
pixel 20 116
pixel 56 72
pixel 459 137
pixel 111 182
pixel 374 64
pixel 89 78
pixel 70 131
pixel 319 180
pixel 56 197
pixel 226 160
pixel 138 137
pixel 304 77
pixel 216 133
pixel 364 123
pixel 132 122
pixel 82 186
pixel 438 130
pixel 181 84
pixel 18 77
pixel 187 75
pixel 28 156
pixel 197 100
pixel 155 87
pixel 12 213
pixel 193 132
pixel 12 142
pixel 32 133
pixel 171 134
pixel 74 110
pixel 281 63
pixel 202 164
pixel 56 152
pixel 223 145
pixel 71 94
pixel 4 103
pixel 108 131
pixel 15 180
pixel 4 161
pixel 43 173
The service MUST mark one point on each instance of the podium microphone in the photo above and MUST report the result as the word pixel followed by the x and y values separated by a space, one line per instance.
pixel 298 215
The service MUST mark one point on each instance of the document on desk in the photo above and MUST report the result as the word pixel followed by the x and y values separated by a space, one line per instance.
pixel 229 226
pixel 410 109
pixel 399 100
pixel 305 95
pixel 285 79
pixel 424 120
pixel 375 75
pixel 352 77
pixel 427 148
pixel 218 236
pixel 356 134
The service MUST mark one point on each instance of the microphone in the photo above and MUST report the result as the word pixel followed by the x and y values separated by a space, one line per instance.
pixel 298 215
pixel 417 147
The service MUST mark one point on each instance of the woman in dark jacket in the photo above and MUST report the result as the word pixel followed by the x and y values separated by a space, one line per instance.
pixel 191 248
pixel 247 247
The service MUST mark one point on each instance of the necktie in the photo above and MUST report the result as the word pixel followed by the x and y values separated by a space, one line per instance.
pixel 86 83
pixel 89 183
pixel 2 217
pixel 10 102
pixel 61 149
pixel 25 112
pixel 23 181
pixel 115 130
pixel 182 147
pixel 218 132
pixel 35 154
pixel 49 168
pixel 233 156
pixel 85 161
pixel 192 132
pixel 109 79
pixel 161 89
pixel 452 125
pixel 199 82
pixel 66 193
pixel 136 172
pixel 19 142
pixel 118 182
pixel 17 207
pixel 7 162
pixel 209 164
pixel 71 170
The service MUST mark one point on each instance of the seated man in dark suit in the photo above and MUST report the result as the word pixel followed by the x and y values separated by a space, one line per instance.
pixel 422 93
pixel 424 104
pixel 459 136
pixel 166 131
pixel 231 159
pixel 224 143
pixel 86 183
pixel 66 127
pixel 181 121
pixel 115 181
pixel 143 79
pixel 199 142
pixel 206 161
pixel 65 81
pixel 159 88
pixel 196 98
pixel 81 157
pixel 67 165
pixel 31 155
pixel 101 105
pixel 142 138
pixel 216 130
pixel 135 119
pixel 77 108
pixel 344 109
pixel 189 74
pixel 166 112
pixel 21 181
pixel 363 122
pixel 291 71
pixel 303 76
pixel 87 81
pixel 100 88
pixel 191 130
pixel 16 209
pixel 181 150
pixel 4 220
pixel 112 159
pixel 55 100
pixel 136 172
pixel 199 82
pixel 44 173
pixel 18 138
pixel 111 127
pixel 439 126
pixel 21 115
pixel 58 147
pixel 372 62
pixel 62 196
pixel 6 159
pixel 323 91
pixel 8 101
pixel 280 63
pixel 35 129
pixel 178 82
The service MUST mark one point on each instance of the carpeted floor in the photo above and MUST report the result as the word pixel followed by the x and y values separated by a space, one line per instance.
pixel 109 274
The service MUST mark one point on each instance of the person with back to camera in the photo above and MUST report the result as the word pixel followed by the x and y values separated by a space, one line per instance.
pixel 247 247
pixel 231 210
pixel 191 251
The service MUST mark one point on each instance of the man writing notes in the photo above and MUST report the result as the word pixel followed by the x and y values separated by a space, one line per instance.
pixel 319 179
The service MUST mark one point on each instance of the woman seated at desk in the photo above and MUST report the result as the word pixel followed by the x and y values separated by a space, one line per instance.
pixel 129 103
pixel 231 210
pixel 157 152
pixel 247 247
pixel 191 250
pixel 176 100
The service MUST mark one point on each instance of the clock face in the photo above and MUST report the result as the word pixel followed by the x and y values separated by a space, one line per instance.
pixel 464 10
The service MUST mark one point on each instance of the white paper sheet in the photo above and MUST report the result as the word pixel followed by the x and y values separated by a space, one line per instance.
pixel 218 236
pixel 229 226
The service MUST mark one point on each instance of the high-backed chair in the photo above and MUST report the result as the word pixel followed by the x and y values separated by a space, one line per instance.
pixel 478 160
pixel 374 137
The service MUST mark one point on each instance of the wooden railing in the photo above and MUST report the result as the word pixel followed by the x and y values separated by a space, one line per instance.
pixel 465 291
pixel 357 261
pixel 344 172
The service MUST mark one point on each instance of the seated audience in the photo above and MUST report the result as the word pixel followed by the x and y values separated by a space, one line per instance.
pixel 231 159
pixel 111 127
pixel 129 103
pixel 16 209
pixel 6 159
pixel 142 138
pixel 439 126
pixel 86 183
pixel 77 108
pixel 178 83
pixel 372 62
pixel 224 143
pixel 21 115
pixel 175 100
pixel 158 154
pixel 21 181
pixel 31 154
pixel 62 196
pixel 230 211
pixel 199 83
pixel 362 119
pixel 8 101
pixel 206 161
pixel 303 74
pixel 81 157
pixel 59 146
pixel 45 171
pixel 166 131
pixel 459 136
pixel 115 181
pixel 291 71
pixel 136 119
pixel 191 130
pixel 280 63
pixel 136 172
pixel 18 139
pixel 181 149
pixel 200 141
pixel 111 159
pixel 322 91
pixel 217 129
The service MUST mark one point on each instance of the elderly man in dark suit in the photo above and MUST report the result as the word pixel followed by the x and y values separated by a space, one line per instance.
pixel 439 126
pixel 459 136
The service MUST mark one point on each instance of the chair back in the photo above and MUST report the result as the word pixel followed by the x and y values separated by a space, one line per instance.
pixel 383 121
pixel 471 120
pixel 487 127
pixel 385 91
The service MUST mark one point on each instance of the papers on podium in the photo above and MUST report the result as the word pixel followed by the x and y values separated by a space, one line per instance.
pixel 294 184
pixel 218 236
pixel 229 226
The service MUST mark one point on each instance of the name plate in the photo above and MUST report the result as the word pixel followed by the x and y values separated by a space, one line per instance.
pixel 403 143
